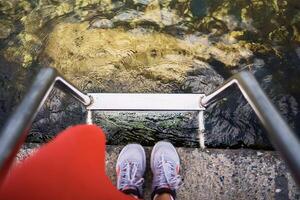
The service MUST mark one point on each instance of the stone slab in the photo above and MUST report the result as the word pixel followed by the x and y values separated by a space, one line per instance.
pixel 219 173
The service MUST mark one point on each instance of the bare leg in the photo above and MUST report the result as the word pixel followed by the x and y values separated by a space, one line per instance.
pixel 165 196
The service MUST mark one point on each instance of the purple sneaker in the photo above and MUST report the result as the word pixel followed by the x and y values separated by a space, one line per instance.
pixel 165 164
pixel 130 168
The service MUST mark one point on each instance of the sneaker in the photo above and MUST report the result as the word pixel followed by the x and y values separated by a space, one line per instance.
pixel 165 166
pixel 130 168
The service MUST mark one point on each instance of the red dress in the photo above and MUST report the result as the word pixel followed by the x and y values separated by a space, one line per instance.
pixel 72 166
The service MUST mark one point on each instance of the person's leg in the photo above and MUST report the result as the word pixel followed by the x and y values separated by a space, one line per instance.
pixel 164 196
pixel 165 164
pixel 130 168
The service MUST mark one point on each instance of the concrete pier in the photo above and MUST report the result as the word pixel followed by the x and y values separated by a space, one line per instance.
pixel 219 173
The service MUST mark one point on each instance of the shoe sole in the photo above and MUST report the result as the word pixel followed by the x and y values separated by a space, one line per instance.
pixel 156 146
pixel 137 146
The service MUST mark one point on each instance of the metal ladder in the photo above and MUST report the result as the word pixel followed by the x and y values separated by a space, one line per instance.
pixel 18 125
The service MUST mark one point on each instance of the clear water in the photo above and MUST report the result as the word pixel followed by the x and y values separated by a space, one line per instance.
pixel 154 46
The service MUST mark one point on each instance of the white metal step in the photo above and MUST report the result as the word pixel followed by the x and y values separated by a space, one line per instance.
pixel 145 102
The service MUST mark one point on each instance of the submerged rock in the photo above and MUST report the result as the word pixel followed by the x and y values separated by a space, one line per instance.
pixel 76 50
pixel 148 128
pixel 135 62
pixel 298 52
pixel 6 28
pixel 102 23
pixel 116 60
pixel 126 16
pixel 141 2
pixel 153 46
pixel 161 17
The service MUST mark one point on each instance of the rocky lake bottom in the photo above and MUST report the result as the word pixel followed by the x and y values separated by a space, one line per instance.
pixel 150 46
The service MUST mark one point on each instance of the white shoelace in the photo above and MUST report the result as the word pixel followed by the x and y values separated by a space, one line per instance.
pixel 166 175
pixel 128 176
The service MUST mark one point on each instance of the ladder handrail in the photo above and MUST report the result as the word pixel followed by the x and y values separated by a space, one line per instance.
pixel 280 134
pixel 16 128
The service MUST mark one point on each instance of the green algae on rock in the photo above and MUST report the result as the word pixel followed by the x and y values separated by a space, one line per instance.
pixel 6 28
pixel 77 50
pixel 217 19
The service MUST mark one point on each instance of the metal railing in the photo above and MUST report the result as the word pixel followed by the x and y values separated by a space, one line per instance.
pixel 18 125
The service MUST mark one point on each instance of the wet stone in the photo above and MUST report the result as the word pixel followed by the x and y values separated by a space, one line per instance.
pixel 126 16
pixel 147 127
pixel 298 52
pixel 202 81
pixel 160 17
pixel 101 23
pixel 58 112
pixel 6 29
pixel 141 2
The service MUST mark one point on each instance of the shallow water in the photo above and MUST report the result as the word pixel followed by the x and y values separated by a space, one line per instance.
pixel 154 46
